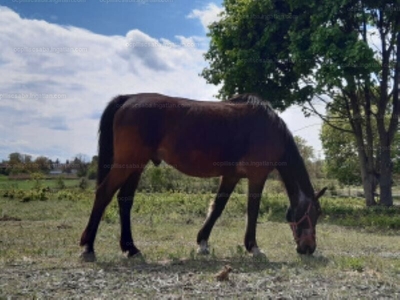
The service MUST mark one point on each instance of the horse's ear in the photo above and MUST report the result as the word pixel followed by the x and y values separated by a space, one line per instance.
pixel 320 193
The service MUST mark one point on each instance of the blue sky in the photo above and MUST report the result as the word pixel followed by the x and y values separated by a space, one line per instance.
pixel 157 18
pixel 61 61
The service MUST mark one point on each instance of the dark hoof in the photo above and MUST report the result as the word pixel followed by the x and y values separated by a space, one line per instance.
pixel 136 257
pixel 88 256
pixel 132 252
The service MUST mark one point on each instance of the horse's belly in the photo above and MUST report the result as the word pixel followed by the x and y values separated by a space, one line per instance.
pixel 196 163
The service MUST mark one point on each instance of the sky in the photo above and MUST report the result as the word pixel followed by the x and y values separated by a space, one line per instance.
pixel 61 61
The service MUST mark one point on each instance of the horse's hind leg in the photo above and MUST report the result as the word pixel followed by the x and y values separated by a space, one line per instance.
pixel 104 194
pixel 226 187
pixel 253 206
pixel 125 202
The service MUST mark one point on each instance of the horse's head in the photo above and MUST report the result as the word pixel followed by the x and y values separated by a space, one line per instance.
pixel 303 219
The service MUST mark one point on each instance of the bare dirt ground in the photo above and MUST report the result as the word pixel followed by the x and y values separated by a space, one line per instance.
pixel 185 280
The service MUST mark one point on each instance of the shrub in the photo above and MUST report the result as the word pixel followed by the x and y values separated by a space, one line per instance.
pixel 83 183
pixel 65 195
pixel 60 183
pixel 37 179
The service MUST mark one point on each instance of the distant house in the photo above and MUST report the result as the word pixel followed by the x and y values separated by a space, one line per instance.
pixel 55 172
pixel 71 174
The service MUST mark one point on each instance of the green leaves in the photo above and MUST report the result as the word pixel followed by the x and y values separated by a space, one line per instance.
pixel 269 47
pixel 249 52
pixel 341 160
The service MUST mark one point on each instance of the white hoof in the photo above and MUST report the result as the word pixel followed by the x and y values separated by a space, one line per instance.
pixel 257 253
pixel 203 248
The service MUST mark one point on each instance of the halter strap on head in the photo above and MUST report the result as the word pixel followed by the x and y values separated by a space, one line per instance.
pixel 294 225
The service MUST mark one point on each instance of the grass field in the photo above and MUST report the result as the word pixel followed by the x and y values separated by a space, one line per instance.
pixel 358 254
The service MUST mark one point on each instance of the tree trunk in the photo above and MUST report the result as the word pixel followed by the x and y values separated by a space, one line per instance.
pixel 368 179
pixel 385 179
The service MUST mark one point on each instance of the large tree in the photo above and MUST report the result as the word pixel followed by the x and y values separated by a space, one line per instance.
pixel 334 53
pixel 249 52
pixel 341 152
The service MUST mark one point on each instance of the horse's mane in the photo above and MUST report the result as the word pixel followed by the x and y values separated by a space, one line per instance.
pixel 292 168
pixel 253 100
pixel 265 107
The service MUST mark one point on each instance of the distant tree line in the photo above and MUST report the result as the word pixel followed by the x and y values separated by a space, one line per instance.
pixel 19 163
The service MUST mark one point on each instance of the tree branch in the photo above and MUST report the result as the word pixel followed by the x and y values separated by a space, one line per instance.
pixel 326 120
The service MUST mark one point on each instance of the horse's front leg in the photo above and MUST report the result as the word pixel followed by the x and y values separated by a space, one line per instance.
pixel 226 186
pixel 253 207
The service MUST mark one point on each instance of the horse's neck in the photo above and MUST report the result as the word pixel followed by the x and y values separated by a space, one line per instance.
pixel 296 180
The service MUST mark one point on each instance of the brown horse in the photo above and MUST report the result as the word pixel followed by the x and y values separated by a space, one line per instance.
pixel 239 138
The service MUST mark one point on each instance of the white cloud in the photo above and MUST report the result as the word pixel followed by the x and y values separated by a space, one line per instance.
pixel 208 15
pixel 56 81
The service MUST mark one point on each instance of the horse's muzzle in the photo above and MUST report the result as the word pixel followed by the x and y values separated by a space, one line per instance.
pixel 306 250
pixel 306 243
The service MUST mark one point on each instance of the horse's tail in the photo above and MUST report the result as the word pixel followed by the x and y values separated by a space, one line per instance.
pixel 106 137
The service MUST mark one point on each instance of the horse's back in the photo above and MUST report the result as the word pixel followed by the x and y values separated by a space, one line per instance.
pixel 200 138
